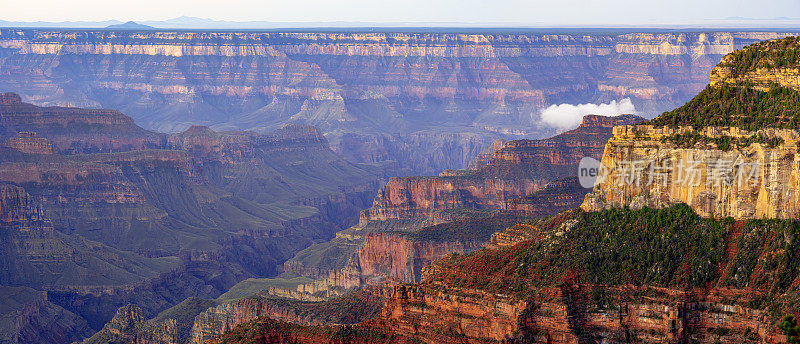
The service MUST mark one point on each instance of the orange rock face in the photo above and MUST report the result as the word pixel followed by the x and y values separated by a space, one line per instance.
pixel 398 258
pixel 429 313
pixel 567 314
pixel 517 169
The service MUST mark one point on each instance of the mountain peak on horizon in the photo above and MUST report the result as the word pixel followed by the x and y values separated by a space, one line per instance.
pixel 130 25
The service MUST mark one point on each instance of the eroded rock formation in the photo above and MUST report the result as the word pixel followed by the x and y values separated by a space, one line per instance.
pixel 757 181
pixel 515 170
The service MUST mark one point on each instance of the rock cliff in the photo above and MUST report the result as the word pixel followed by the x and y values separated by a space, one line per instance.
pixel 732 151
pixel 352 308
pixel 515 170
pixel 757 181
pixel 129 326
pixel 29 317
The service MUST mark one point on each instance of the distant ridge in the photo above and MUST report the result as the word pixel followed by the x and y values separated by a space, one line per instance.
pixel 131 25
pixel 197 23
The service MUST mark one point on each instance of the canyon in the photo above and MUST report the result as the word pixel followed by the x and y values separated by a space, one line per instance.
pixel 389 246
pixel 204 232
pixel 99 213
pixel 645 258
pixel 418 102
pixel 415 220
pixel 617 269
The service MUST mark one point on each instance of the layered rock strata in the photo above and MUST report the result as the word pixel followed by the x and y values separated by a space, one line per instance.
pixel 420 102
pixel 645 168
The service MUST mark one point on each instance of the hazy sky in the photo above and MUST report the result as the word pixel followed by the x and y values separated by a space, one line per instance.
pixel 516 12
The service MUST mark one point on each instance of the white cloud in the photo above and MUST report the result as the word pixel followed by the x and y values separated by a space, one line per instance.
pixel 568 116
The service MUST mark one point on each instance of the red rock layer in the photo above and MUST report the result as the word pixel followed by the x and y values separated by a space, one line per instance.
pixel 555 196
pixel 29 143
pixel 567 314
pixel 517 169
pixel 395 257
pixel 353 308
pixel 427 313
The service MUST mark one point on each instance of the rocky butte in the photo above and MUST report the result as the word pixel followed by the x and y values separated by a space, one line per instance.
pixel 746 170
pixel 658 263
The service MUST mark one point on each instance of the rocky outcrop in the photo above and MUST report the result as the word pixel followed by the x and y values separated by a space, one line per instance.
pixel 647 169
pixel 130 326
pixel 556 196
pixel 517 169
pixel 569 314
pixel 17 207
pixel 29 143
pixel 429 313
pixel 723 170
pixel 760 65
pixel 70 130
pixel 10 99
pixel 397 257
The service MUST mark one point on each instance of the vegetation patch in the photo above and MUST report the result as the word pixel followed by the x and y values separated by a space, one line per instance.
pixel 723 143
pixel 671 247
pixel 772 54
pixel 741 106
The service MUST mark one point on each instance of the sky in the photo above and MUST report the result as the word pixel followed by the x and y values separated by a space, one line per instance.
pixel 497 12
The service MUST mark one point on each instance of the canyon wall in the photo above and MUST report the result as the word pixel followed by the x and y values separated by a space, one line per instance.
pixel 513 170
pixel 569 314
pixel 756 181
pixel 361 305
pixel 29 317
pixel 418 102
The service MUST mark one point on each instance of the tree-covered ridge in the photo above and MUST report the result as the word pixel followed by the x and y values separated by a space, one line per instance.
pixel 667 247
pixel 670 247
pixel 740 106
pixel 724 142
pixel 751 88
pixel 777 53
